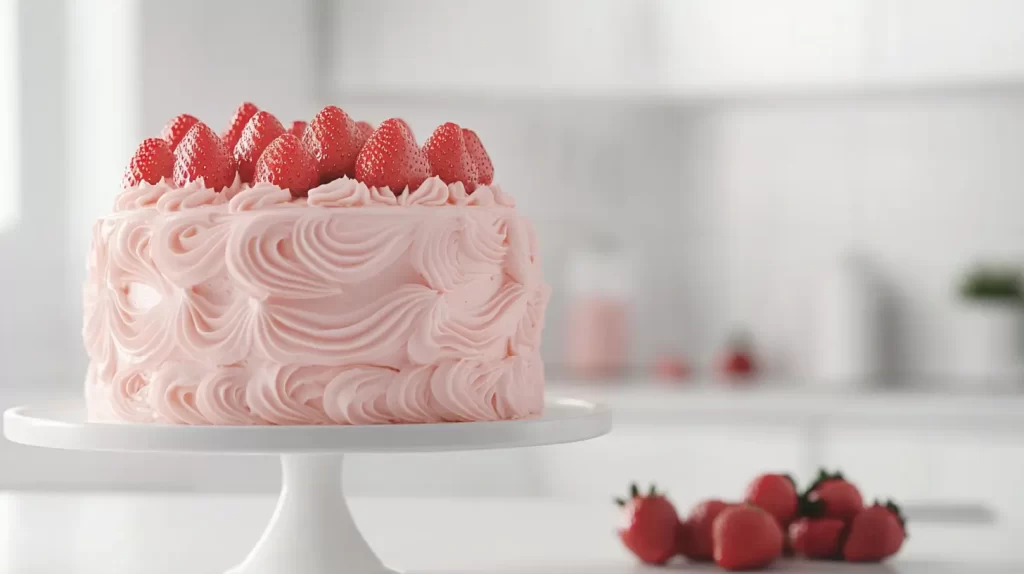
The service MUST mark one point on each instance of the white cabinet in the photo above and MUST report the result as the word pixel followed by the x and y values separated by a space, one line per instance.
pixel 679 48
pixel 739 45
pixel 924 466
pixel 689 462
pixel 946 41
pixel 458 45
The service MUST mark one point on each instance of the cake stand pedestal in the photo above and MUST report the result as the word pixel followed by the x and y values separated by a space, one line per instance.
pixel 311 531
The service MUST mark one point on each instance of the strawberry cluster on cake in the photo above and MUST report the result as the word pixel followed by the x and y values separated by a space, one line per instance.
pixel 328 272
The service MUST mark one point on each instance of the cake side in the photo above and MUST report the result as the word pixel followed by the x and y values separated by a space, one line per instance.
pixel 349 306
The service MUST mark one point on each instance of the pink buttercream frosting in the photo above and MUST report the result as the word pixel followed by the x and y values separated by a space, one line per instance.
pixel 351 306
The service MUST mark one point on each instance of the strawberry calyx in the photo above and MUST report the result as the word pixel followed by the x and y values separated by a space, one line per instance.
pixel 894 508
pixel 634 493
pixel 810 508
pixel 815 508
pixel 823 477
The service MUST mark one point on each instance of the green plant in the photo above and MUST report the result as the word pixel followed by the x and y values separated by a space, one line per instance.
pixel 993 283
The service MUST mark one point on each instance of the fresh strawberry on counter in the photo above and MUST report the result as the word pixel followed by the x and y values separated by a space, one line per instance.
pixel 876 533
pixel 746 537
pixel 650 527
pixel 777 495
pixel 817 538
pixel 693 534
pixel 831 496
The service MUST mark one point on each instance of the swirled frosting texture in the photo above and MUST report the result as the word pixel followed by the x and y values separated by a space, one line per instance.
pixel 351 306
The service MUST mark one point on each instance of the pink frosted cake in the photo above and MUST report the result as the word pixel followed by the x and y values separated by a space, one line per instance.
pixel 274 276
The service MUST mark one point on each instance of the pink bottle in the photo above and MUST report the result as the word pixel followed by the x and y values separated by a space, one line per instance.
pixel 597 330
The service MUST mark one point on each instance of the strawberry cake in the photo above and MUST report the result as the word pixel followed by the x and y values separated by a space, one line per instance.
pixel 328 272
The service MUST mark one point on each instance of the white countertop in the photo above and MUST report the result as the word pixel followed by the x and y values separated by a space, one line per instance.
pixel 45 533
pixel 913 404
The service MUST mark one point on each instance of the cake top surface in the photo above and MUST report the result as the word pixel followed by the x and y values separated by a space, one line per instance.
pixel 330 161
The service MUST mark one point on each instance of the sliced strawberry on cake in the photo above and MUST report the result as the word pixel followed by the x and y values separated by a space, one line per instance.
pixel 262 129
pixel 153 160
pixel 392 159
pixel 448 157
pixel 286 164
pixel 201 154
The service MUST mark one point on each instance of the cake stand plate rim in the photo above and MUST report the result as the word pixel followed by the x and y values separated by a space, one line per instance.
pixel 63 425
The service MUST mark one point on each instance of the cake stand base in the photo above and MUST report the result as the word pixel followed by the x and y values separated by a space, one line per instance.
pixel 312 531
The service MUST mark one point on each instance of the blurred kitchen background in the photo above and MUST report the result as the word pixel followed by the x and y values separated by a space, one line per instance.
pixel 780 233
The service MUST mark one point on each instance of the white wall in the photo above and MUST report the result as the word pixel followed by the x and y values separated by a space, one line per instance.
pixel 33 306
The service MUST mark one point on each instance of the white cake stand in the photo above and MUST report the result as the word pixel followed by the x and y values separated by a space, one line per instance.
pixel 311 531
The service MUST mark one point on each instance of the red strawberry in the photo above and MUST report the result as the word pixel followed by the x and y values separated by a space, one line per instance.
pixel 153 160
pixel 876 533
pixel 831 496
pixel 651 523
pixel 262 129
pixel 449 160
pixel 286 164
pixel 482 161
pixel 817 537
pixel 392 159
pixel 202 154
pixel 746 537
pixel 331 140
pixel 407 127
pixel 298 128
pixel 363 131
pixel 738 358
pixel 694 535
pixel 176 129
pixel 242 115
pixel 776 494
